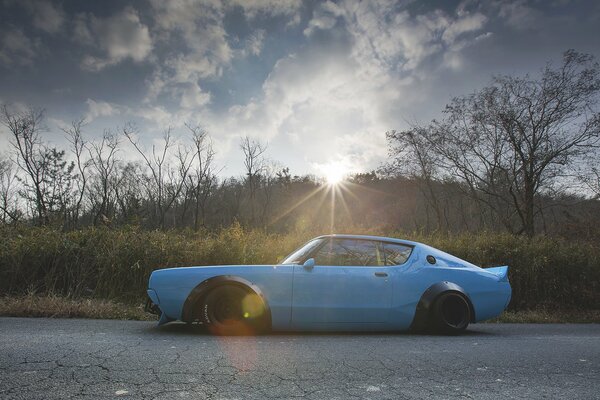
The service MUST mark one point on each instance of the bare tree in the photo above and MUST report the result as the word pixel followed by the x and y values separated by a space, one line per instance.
pixel 166 183
pixel 58 184
pixel 254 163
pixel 202 179
pixel 128 192
pixel 78 145
pixel 589 174
pixel 269 180
pixel 229 201
pixel 8 202
pixel 103 159
pixel 511 141
pixel 414 156
pixel 25 127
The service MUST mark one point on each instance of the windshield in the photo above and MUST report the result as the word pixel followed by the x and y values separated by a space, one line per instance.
pixel 300 255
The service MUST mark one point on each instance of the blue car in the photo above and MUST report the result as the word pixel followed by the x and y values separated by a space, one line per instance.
pixel 335 283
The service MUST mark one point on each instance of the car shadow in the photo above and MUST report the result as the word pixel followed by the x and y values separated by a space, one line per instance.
pixel 184 329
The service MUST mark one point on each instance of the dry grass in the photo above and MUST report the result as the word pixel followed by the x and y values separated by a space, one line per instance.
pixel 549 317
pixel 53 306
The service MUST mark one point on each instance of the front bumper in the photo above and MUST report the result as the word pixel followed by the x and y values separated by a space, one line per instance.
pixel 152 303
pixel 152 308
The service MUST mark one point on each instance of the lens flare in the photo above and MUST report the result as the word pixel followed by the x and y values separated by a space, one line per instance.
pixel 252 306
pixel 335 172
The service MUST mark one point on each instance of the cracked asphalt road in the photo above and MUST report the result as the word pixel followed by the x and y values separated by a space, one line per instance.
pixel 61 358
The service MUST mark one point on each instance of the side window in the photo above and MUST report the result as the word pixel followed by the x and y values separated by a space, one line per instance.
pixel 396 254
pixel 348 252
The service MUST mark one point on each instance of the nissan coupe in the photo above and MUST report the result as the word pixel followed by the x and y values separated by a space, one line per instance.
pixel 335 283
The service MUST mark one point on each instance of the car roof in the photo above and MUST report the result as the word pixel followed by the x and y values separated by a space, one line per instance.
pixel 431 250
pixel 369 237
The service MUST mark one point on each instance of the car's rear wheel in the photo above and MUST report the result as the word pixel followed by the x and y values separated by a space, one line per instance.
pixel 451 313
pixel 232 310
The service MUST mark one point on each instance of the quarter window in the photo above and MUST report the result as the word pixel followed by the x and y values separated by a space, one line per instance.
pixel 395 253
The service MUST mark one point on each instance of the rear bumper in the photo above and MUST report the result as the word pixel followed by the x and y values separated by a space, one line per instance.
pixel 492 302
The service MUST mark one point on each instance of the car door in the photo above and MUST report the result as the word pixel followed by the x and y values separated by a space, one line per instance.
pixel 349 283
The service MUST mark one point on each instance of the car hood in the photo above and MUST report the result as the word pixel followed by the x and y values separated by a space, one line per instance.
pixel 179 272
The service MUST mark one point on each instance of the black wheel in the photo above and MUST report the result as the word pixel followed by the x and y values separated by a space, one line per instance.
pixel 451 313
pixel 232 310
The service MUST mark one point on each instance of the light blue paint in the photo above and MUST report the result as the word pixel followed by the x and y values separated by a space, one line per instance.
pixel 343 297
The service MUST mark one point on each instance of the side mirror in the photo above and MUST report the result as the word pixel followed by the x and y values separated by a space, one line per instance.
pixel 309 264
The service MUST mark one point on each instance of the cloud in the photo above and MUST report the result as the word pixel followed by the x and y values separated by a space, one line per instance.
pixel 198 46
pixel 157 116
pixel 16 48
pixel 254 43
pixel 271 8
pixel 193 97
pixel 517 13
pixel 119 37
pixel 316 102
pixel 324 17
pixel 98 109
pixel 337 96
pixel 81 31
pixel 465 23
pixel 46 16
pixel 199 28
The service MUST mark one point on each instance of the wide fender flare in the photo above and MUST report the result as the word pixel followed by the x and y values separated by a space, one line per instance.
pixel 198 294
pixel 429 297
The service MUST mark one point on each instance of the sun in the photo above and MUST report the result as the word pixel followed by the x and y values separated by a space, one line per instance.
pixel 335 172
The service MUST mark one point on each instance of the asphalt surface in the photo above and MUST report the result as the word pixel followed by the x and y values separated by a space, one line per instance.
pixel 60 358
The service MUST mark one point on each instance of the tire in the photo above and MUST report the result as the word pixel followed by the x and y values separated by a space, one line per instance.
pixel 233 310
pixel 451 314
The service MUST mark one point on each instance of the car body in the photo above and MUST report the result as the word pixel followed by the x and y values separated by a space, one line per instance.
pixel 336 283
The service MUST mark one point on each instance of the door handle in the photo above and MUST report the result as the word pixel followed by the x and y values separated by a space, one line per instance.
pixel 381 274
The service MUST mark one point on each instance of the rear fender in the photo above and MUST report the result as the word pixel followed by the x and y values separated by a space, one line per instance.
pixel 197 295
pixel 428 298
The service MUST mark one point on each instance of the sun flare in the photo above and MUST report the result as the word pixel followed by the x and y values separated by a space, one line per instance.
pixel 335 172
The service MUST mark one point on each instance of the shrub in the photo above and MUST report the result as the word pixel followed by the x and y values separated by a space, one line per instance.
pixel 115 264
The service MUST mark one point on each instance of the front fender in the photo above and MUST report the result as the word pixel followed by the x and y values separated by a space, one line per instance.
pixel 197 295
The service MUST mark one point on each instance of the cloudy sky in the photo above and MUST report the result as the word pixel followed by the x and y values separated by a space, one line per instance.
pixel 320 82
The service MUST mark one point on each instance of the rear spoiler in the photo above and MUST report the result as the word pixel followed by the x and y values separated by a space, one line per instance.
pixel 500 272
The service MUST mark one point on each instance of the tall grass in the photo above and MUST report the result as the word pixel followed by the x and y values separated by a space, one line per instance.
pixel 115 264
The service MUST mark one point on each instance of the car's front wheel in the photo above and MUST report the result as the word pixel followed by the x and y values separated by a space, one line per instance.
pixel 232 310
pixel 451 313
